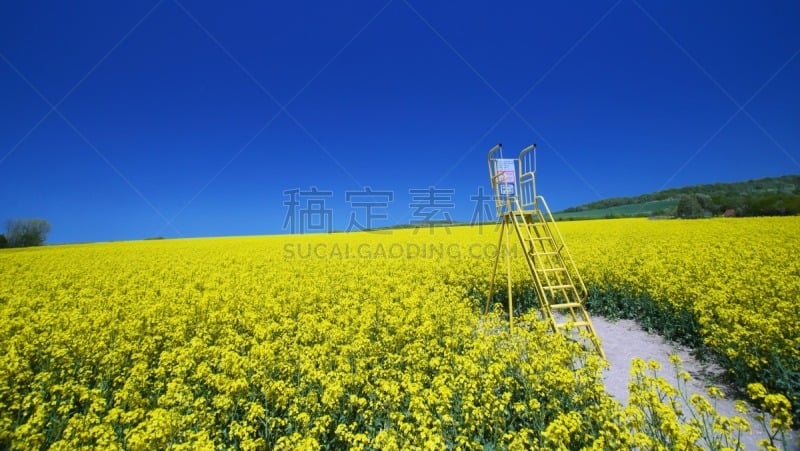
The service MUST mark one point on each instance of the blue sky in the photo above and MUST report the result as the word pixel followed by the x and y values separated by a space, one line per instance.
pixel 184 118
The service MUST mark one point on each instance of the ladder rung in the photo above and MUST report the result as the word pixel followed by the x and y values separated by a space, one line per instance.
pixel 539 238
pixel 573 324
pixel 565 305
pixel 558 268
pixel 534 252
pixel 557 287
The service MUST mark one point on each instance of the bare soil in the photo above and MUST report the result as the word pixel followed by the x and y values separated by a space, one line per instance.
pixel 623 340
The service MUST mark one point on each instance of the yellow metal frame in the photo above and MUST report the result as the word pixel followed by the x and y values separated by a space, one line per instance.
pixel 557 282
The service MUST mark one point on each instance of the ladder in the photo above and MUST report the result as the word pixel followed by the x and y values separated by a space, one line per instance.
pixel 558 285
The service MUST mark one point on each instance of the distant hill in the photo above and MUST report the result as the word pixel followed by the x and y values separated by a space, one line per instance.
pixel 771 196
pixel 666 207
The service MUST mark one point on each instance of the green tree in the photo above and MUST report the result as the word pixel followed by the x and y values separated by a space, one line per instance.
pixel 689 207
pixel 706 202
pixel 3 241
pixel 26 232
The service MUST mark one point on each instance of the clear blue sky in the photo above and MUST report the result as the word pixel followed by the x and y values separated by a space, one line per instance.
pixel 134 119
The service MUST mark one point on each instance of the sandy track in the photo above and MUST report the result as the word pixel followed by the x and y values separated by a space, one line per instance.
pixel 625 339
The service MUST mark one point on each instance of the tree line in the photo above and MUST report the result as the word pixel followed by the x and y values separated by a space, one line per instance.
pixel 771 196
pixel 764 204
pixel 25 232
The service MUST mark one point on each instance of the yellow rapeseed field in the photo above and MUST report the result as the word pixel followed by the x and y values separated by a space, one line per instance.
pixel 729 285
pixel 375 340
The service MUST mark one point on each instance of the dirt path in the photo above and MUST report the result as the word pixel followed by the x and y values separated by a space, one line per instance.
pixel 624 339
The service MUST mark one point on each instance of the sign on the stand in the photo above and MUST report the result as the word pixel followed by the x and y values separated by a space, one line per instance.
pixel 506 176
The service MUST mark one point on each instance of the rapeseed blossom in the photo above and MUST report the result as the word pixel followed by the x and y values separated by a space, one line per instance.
pixel 244 342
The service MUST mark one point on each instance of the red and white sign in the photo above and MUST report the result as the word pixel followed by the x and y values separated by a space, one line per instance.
pixel 506 176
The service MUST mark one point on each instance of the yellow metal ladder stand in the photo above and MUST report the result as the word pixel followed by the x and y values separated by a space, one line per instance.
pixel 559 287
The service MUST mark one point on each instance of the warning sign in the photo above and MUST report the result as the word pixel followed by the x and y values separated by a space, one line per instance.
pixel 506 176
